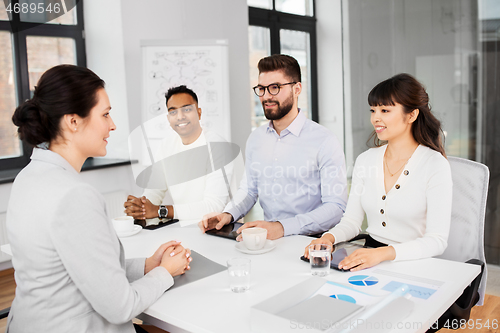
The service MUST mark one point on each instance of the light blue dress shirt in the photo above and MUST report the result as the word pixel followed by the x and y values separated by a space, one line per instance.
pixel 299 177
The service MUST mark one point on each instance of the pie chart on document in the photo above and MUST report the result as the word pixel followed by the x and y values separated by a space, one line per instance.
pixel 362 280
pixel 343 297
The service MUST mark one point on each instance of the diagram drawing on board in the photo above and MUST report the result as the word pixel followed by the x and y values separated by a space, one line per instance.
pixel 202 68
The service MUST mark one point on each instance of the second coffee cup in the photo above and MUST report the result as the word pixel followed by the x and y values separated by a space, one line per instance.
pixel 254 238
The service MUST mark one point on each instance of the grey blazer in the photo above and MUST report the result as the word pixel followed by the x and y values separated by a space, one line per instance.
pixel 69 264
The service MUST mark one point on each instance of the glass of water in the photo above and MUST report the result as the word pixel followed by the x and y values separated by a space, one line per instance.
pixel 239 274
pixel 319 257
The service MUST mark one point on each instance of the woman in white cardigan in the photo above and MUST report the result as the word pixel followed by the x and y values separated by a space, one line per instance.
pixel 69 264
pixel 403 186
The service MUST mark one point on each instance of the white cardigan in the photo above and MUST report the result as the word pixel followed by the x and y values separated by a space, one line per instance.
pixel 414 217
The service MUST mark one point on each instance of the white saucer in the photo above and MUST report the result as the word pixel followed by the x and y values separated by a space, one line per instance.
pixel 137 229
pixel 270 245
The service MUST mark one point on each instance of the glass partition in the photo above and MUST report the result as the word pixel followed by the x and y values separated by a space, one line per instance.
pixel 452 47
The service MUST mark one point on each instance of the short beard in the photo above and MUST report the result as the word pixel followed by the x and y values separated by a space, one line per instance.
pixel 282 110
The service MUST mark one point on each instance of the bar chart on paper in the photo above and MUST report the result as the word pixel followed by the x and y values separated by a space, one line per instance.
pixel 415 291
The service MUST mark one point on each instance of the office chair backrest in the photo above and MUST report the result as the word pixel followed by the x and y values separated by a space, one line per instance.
pixel 470 190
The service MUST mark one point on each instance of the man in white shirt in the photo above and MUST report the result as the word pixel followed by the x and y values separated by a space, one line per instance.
pixel 187 172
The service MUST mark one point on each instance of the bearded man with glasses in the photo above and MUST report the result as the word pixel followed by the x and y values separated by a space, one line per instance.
pixel 294 166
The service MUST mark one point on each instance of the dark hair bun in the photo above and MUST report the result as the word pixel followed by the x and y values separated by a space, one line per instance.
pixel 32 123
pixel 61 90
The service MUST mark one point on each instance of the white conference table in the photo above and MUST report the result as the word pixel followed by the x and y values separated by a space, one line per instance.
pixel 208 305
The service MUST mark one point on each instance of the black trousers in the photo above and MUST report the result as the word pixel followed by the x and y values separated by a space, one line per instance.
pixel 370 242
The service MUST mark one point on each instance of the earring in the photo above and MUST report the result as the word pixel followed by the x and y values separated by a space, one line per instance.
pixel 75 128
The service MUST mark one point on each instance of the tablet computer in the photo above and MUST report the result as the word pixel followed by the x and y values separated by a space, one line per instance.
pixel 162 223
pixel 227 231
pixel 340 251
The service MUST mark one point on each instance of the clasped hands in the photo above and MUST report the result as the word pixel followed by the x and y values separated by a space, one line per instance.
pixel 359 259
pixel 140 208
pixel 217 221
pixel 172 256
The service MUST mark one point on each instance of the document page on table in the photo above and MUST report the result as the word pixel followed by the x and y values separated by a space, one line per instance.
pixel 320 312
pixel 380 282
pixel 201 267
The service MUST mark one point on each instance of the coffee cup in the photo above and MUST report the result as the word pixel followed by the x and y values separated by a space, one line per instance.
pixel 123 224
pixel 254 238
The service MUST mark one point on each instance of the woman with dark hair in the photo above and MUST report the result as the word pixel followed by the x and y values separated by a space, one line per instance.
pixel 403 185
pixel 69 264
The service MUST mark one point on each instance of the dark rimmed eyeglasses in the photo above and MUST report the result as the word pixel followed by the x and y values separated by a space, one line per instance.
pixel 273 89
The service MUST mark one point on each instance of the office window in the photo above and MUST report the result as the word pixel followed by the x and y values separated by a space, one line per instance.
pixel 286 27
pixel 296 44
pixel 9 144
pixel 266 4
pixel 46 52
pixel 32 40
pixel 52 16
pixel 298 7
pixel 453 48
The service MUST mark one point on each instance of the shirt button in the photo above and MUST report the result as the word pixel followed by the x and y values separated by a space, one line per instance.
pixel 383 197
pixel 397 186
pixel 275 159
pixel 279 139
pixel 381 211
pixel 383 224
pixel 406 172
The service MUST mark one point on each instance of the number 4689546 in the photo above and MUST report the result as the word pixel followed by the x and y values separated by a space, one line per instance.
pixel 32 8
pixel 471 324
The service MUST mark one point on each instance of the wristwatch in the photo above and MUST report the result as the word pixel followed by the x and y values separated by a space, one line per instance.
pixel 162 211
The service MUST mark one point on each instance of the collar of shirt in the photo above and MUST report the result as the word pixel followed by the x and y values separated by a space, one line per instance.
pixel 46 155
pixel 200 141
pixel 295 127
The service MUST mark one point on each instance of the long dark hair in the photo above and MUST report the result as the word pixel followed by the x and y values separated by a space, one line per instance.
pixel 63 89
pixel 407 91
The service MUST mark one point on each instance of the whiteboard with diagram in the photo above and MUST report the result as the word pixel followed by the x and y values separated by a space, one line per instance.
pixel 201 65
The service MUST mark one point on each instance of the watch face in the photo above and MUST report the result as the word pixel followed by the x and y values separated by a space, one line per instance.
pixel 163 212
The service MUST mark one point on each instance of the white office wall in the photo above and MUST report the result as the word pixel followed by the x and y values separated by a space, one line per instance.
pixel 190 19
pixel 106 57
pixel 329 48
